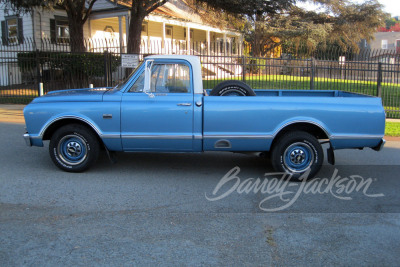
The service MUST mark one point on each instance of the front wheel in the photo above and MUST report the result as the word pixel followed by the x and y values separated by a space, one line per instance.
pixel 296 153
pixel 74 148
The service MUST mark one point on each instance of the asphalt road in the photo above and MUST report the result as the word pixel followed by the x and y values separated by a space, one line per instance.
pixel 152 209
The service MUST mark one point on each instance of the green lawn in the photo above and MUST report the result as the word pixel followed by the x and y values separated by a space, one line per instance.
pixel 392 129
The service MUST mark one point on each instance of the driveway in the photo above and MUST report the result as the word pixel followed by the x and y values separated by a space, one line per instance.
pixel 163 209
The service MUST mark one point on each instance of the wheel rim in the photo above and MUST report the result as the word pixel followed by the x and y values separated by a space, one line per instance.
pixel 72 149
pixel 298 157
pixel 232 93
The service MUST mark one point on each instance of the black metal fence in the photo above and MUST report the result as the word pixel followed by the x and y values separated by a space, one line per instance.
pixel 24 67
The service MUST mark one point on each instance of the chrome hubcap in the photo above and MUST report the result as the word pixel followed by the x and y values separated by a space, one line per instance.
pixel 74 149
pixel 297 156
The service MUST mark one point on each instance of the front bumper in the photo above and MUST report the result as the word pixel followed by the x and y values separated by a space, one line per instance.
pixel 380 146
pixel 27 138
pixel 33 140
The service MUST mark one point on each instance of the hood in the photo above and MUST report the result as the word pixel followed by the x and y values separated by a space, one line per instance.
pixel 74 95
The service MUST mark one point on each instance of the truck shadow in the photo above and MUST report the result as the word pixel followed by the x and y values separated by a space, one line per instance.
pixel 205 163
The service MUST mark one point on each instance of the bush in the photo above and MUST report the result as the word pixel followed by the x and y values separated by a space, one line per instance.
pixel 255 65
pixel 84 64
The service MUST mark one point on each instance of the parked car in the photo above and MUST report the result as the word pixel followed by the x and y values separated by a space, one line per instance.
pixel 162 107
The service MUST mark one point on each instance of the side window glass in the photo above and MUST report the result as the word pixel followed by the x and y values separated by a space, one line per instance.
pixel 138 86
pixel 170 78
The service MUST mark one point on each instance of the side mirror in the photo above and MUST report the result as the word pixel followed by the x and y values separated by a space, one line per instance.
pixel 147 78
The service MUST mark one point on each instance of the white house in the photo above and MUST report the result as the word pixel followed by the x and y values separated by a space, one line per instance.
pixel 172 28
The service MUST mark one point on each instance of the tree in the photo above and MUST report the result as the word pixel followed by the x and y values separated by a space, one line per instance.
pixel 78 12
pixel 341 22
pixel 390 22
pixel 139 9
pixel 391 26
pixel 395 28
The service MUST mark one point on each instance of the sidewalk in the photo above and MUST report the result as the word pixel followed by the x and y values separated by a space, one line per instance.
pixel 393 120
pixel 12 113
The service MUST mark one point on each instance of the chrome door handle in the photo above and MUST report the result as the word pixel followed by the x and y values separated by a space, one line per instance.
pixel 184 104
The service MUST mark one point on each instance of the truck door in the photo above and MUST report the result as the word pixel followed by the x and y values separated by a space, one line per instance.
pixel 162 119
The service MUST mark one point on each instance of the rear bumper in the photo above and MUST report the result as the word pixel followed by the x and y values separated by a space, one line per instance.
pixel 27 139
pixel 380 146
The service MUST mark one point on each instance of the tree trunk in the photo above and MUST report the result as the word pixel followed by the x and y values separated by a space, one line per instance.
pixel 76 33
pixel 257 33
pixel 135 32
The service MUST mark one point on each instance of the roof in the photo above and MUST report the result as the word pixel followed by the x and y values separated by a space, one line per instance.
pixel 176 9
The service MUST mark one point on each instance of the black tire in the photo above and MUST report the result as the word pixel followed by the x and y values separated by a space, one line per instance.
pixel 296 153
pixel 232 88
pixel 74 148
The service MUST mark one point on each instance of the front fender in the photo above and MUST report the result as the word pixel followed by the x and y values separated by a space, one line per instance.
pixel 40 118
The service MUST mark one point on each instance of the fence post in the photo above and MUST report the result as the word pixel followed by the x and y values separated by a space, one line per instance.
pixel 379 82
pixel 106 69
pixel 38 73
pixel 312 83
pixel 41 92
pixel 243 68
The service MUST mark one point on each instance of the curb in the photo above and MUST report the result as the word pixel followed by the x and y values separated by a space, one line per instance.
pixel 392 138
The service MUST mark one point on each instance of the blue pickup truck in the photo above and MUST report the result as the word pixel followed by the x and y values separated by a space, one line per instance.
pixel 162 107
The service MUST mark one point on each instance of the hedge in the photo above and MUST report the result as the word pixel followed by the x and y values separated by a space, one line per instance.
pixel 88 64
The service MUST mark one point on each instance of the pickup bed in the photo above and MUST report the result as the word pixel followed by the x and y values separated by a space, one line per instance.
pixel 162 107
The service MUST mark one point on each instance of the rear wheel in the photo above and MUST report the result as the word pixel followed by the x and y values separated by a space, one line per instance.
pixel 74 148
pixel 296 153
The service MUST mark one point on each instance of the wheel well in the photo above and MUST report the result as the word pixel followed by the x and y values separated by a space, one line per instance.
pixel 56 125
pixel 310 128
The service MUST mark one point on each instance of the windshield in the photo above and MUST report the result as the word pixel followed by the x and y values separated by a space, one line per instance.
pixel 121 85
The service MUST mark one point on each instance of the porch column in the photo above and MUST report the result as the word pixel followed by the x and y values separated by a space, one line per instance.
pixel 163 38
pixel 208 42
pixel 126 32
pixel 188 40
pixel 224 44
pixel 120 33
pixel 241 45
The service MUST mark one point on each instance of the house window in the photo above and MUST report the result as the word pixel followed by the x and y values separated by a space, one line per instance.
pixel 168 31
pixel 398 45
pixel 62 30
pixel 11 31
pixel 59 30
pixel 384 44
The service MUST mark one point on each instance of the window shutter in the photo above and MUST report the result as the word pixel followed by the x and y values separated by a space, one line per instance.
pixel 4 33
pixel 20 31
pixel 53 31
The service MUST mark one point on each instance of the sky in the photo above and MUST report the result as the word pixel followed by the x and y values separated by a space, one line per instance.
pixel 389 6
